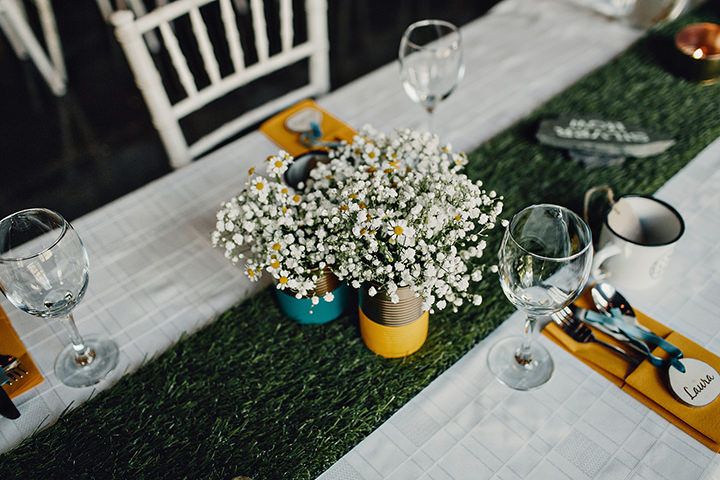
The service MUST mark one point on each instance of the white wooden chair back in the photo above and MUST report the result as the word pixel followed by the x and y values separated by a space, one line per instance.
pixel 214 84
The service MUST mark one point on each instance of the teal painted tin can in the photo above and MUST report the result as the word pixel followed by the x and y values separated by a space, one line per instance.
pixel 303 311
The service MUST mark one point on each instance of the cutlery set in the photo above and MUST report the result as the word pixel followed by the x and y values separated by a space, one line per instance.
pixel 692 381
pixel 570 323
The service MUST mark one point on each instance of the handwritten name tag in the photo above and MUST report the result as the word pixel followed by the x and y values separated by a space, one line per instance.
pixel 698 386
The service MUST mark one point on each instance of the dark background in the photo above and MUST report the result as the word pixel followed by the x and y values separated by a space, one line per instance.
pixel 78 152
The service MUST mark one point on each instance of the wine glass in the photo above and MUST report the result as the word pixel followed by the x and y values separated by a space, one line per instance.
pixel 431 62
pixel 44 272
pixel 544 263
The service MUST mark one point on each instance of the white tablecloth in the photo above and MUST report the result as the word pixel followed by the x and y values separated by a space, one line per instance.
pixel 155 276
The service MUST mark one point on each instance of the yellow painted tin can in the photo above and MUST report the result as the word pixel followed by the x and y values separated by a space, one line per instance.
pixel 389 329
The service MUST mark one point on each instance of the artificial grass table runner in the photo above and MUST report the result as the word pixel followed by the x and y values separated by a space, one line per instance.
pixel 256 394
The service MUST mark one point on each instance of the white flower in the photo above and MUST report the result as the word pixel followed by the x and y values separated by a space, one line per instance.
pixel 400 231
pixel 278 164
pixel 329 297
pixel 259 184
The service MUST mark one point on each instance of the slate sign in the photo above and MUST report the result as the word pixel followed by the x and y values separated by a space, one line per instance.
pixel 601 137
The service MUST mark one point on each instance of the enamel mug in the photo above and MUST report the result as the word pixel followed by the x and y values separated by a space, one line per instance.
pixel 637 238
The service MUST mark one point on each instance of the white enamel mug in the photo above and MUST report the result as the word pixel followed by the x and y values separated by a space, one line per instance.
pixel 637 238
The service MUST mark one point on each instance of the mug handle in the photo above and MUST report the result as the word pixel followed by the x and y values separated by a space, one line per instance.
pixel 609 250
pixel 588 195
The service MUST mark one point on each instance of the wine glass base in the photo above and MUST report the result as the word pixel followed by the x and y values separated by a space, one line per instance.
pixel 69 372
pixel 502 363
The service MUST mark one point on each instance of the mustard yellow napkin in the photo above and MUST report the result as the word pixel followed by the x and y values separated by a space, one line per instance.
pixel 10 344
pixel 332 128
pixel 647 383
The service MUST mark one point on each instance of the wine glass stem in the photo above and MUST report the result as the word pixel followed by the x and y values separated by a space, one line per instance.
pixel 83 354
pixel 523 355
pixel 429 123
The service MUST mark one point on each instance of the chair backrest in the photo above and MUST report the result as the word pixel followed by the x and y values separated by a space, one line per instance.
pixel 207 45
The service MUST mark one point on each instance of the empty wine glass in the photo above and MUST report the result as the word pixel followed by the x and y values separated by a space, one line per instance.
pixel 431 62
pixel 44 272
pixel 544 263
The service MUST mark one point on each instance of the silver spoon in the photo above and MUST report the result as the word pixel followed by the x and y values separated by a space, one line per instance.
pixel 606 297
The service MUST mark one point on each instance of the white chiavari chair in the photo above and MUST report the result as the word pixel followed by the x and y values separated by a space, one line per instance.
pixel 214 56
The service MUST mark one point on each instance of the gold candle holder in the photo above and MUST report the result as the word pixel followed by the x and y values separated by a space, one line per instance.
pixel 699 45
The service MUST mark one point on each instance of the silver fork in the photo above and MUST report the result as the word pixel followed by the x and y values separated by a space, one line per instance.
pixel 12 367
pixel 581 333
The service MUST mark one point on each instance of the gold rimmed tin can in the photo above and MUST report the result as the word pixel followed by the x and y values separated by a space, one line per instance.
pixel 392 329
pixel 327 282
pixel 302 310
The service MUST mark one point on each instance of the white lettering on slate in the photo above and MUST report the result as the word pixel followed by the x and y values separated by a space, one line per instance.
pixel 581 129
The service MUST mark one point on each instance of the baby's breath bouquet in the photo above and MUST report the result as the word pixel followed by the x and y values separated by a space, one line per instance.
pixel 275 229
pixel 410 217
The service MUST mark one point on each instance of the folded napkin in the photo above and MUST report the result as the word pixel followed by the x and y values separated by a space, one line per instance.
pixel 10 344
pixel 646 383
pixel 331 127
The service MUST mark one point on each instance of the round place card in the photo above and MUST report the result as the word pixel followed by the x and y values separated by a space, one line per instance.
pixel 698 386
pixel 302 121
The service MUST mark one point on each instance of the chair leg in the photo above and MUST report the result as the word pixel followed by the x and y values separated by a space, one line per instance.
pixel 54 77
pixel 52 39
pixel 15 43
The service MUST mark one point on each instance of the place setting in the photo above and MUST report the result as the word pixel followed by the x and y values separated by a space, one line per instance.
pixel 659 367
pixel 548 269
pixel 44 271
